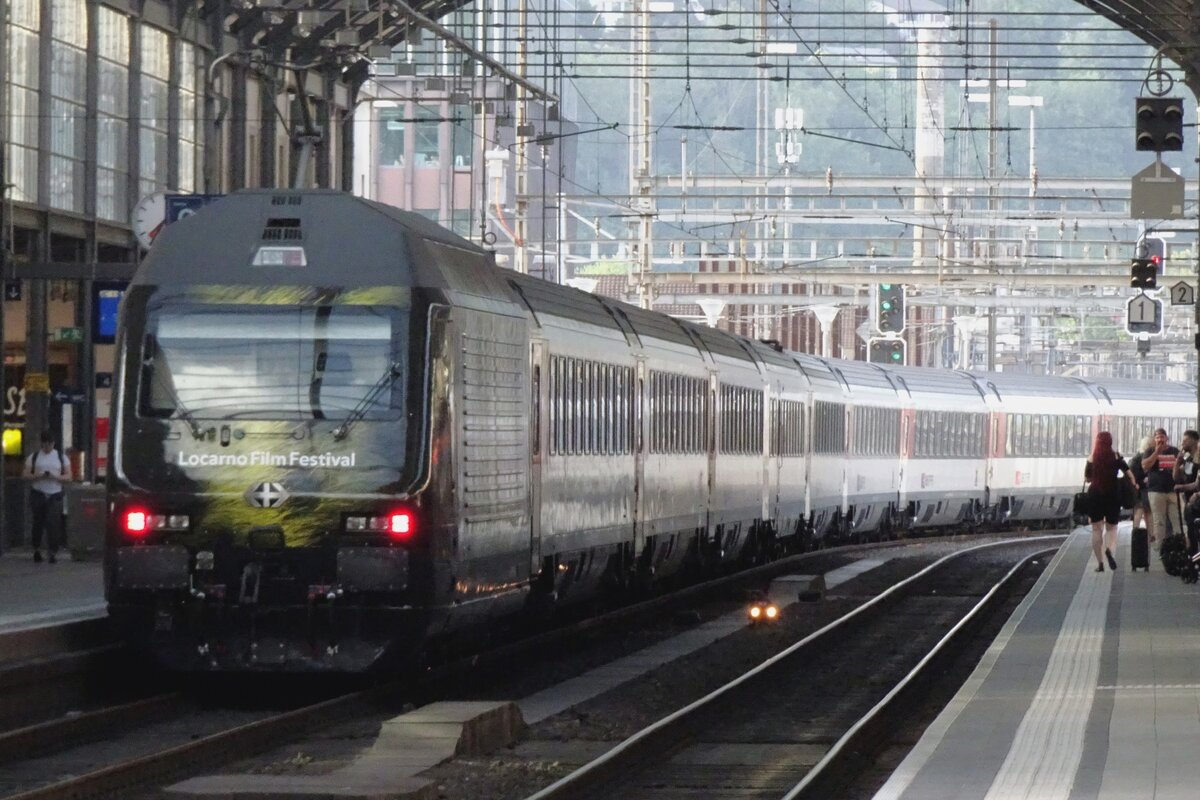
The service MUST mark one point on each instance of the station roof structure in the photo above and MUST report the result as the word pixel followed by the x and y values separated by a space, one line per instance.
pixel 1172 26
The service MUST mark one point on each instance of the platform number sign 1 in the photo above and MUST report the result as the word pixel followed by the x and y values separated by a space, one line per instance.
pixel 1183 294
pixel 1144 314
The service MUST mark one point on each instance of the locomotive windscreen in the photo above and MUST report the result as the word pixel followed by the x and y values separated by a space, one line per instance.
pixel 273 362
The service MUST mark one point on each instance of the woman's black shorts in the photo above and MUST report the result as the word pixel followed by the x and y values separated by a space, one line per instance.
pixel 1105 507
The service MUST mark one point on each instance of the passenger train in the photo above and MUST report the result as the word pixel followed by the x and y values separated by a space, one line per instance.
pixel 341 435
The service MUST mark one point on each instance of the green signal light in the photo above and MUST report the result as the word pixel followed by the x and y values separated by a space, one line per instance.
pixel 897 356
pixel 886 305
pixel 886 287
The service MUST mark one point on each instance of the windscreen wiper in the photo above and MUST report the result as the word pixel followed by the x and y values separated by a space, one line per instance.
pixel 359 411
pixel 180 409
pixel 151 345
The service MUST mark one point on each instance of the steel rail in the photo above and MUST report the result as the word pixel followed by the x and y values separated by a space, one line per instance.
pixel 586 776
pixel 234 742
pixel 63 732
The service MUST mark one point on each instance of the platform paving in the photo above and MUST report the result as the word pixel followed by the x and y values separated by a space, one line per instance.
pixel 37 595
pixel 1090 692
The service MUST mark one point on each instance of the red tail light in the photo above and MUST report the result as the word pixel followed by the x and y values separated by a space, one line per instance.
pixel 400 524
pixel 136 522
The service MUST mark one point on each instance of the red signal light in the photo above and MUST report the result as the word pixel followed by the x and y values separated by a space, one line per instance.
pixel 136 522
pixel 400 524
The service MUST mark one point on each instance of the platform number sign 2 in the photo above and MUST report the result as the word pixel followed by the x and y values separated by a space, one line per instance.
pixel 1183 294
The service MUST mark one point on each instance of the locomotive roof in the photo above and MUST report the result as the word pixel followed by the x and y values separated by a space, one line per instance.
pixel 347 241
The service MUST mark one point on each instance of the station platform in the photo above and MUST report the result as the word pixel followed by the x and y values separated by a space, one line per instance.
pixel 1091 690
pixel 37 595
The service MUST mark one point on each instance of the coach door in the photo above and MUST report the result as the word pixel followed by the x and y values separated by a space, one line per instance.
pixel 639 458
pixel 539 427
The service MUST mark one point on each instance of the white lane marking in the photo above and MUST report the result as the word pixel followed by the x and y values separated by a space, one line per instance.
pixel 916 760
pixel 1048 745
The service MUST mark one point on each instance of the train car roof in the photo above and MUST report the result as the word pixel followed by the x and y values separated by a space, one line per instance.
pixel 1005 385
pixel 819 373
pixel 922 380
pixel 347 241
pixel 864 375
pixel 1150 391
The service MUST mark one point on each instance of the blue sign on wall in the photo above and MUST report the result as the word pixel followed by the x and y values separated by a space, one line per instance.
pixel 181 206
pixel 106 300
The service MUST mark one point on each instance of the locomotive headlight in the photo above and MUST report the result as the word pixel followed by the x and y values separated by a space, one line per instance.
pixel 761 611
pixel 136 522
pixel 398 524
pixel 167 522
pixel 139 522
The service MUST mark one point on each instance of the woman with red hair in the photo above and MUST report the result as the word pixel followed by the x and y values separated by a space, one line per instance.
pixel 1103 470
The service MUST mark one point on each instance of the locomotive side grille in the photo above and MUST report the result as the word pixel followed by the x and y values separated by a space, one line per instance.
pixel 495 435
pixel 279 229
pixel 286 200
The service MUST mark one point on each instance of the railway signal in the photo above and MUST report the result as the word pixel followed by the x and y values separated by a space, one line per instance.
pixel 886 350
pixel 1159 124
pixel 1143 274
pixel 1154 249
pixel 889 308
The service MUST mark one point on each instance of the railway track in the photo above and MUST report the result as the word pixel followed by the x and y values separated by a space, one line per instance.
pixel 168 735
pixel 799 723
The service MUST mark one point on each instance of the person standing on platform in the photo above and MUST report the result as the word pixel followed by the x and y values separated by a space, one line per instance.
pixel 1186 478
pixel 48 471
pixel 1141 508
pixel 1159 464
pixel 1102 471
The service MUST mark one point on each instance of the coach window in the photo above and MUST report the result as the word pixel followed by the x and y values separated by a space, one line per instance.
pixel 537 409
pixel 589 408
pixel 602 428
pixel 610 410
pixel 623 425
pixel 658 436
pixel 580 408
pixel 677 419
pixel 576 407
pixel 585 407
pixel 638 441
pixel 594 406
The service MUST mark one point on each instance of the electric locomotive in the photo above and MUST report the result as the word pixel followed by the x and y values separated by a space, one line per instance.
pixel 280 478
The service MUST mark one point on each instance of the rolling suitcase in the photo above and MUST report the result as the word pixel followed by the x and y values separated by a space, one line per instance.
pixel 1139 549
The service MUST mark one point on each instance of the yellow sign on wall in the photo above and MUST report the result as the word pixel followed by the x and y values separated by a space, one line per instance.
pixel 37 382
